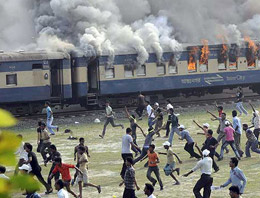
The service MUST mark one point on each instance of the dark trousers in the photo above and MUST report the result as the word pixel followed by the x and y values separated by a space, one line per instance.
pixel 111 121
pixel 125 156
pixel 214 164
pixel 139 110
pixel 129 193
pixel 44 149
pixel 40 178
pixel 154 169
pixel 189 148
pixel 56 176
pixel 168 125
pixel 205 182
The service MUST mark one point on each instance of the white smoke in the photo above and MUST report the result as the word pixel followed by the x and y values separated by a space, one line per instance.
pixel 98 27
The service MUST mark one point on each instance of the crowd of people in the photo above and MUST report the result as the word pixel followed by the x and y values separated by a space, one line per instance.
pixel 229 133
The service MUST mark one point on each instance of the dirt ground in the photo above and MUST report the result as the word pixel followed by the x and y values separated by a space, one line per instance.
pixel 105 161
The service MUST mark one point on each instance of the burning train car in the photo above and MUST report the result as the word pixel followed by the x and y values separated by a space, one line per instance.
pixel 196 70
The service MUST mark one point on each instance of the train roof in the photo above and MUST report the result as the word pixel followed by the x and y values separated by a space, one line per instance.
pixel 25 56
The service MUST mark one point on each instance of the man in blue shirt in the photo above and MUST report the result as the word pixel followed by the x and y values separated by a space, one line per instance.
pixel 238 132
pixel 50 119
pixel 237 177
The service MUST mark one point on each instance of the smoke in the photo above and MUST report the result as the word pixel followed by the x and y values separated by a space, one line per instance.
pixel 98 27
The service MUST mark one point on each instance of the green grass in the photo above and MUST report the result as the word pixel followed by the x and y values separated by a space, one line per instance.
pixel 105 161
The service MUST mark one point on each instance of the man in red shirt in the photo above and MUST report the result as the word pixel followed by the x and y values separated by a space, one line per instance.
pixel 65 173
pixel 229 134
pixel 153 160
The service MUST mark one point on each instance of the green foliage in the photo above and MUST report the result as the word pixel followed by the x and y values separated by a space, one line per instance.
pixel 9 142
pixel 6 119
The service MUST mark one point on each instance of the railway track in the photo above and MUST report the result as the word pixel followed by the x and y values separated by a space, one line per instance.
pixel 178 103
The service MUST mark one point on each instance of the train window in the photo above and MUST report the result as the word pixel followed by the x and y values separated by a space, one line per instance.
pixel 172 65
pixel 110 72
pixel 161 68
pixel 11 79
pixel 141 70
pixel 129 71
pixel 37 66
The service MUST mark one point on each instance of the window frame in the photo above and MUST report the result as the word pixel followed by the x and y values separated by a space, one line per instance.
pixel 162 64
pixel 107 69
pixel 143 74
pixel 15 80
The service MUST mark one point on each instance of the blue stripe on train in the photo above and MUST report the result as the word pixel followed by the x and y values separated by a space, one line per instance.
pixel 27 94
pixel 80 89
pixel 178 82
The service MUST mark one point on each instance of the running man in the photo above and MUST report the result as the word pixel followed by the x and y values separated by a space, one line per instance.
pixel 50 119
pixel 129 180
pixel 54 154
pixel 141 105
pixel 64 170
pixel 158 118
pixel 147 142
pixel 205 181
pixel 127 143
pixel 190 142
pixel 168 107
pixel 238 131
pixel 211 144
pixel 133 126
pixel 83 161
pixel 229 140
pixel 251 141
pixel 109 119
pixel 150 114
pixel 44 141
pixel 153 160
pixel 76 156
pixel 175 124
pixel 237 177
pixel 171 162
pixel 239 101
pixel 36 169
pixel 220 131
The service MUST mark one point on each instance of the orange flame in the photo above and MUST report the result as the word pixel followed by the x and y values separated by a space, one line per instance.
pixel 253 49
pixel 204 53
pixel 192 60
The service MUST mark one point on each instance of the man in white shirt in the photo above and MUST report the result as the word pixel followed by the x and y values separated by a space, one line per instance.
pixel 148 190
pixel 127 143
pixel 150 114
pixel 61 192
pixel 23 156
pixel 205 181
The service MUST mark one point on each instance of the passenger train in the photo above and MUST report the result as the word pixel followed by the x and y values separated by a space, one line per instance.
pixel 27 79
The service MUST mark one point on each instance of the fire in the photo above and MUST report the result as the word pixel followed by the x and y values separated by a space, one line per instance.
pixel 192 59
pixel 204 53
pixel 251 57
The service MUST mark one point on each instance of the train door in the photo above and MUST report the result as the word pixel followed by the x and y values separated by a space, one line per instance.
pixel 93 76
pixel 56 78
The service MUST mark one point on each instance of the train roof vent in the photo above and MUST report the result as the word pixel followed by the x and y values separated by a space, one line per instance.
pixel 1 51
pixel 20 51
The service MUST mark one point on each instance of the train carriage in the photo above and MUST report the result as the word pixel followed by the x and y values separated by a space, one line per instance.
pixel 27 79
